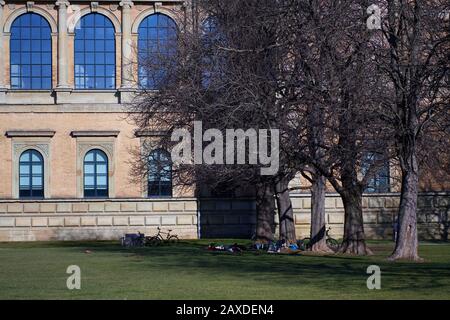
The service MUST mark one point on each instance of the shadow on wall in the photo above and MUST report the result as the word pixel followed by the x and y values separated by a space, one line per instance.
pixel 227 218
pixel 236 218
pixel 435 223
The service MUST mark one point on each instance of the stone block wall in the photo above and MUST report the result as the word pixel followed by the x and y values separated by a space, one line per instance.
pixel 237 218
pixel 190 218
pixel 95 219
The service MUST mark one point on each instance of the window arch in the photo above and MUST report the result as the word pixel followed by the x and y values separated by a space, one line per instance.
pixel 95 53
pixel 159 174
pixel 157 40
pixel 31 52
pixel 31 174
pixel 95 168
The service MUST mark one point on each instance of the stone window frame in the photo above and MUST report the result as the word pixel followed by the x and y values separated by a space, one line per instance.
pixel 87 141
pixel 21 143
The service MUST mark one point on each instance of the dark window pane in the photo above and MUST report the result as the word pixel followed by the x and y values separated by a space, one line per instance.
pixel 89 58
pixel 26 83
pixel 15 45
pixel 36 59
pixel 109 45
pixel 46 83
pixel 46 45
pixel 46 71
pixel 25 71
pixel 110 70
pixel 109 82
pixel 88 20
pixel 47 58
pixel 99 59
pixel 100 45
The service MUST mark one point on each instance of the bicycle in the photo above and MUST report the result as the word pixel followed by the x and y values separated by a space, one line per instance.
pixel 305 243
pixel 332 243
pixel 158 239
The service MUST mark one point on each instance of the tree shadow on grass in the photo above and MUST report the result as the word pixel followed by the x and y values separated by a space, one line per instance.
pixel 332 272
pixel 325 272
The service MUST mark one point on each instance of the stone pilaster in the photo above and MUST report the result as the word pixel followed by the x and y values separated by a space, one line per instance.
pixel 126 67
pixel 62 44
pixel 2 54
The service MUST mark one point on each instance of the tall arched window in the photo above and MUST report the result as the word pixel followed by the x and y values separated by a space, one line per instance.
pixel 157 41
pixel 31 174
pixel 378 182
pixel 213 60
pixel 31 53
pixel 159 174
pixel 95 57
pixel 95 174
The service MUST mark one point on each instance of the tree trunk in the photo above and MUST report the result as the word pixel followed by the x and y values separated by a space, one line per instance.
pixel 265 211
pixel 354 239
pixel 318 224
pixel 407 243
pixel 285 212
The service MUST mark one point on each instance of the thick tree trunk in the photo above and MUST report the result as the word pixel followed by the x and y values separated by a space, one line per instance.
pixel 285 212
pixel 318 224
pixel 265 212
pixel 407 243
pixel 354 239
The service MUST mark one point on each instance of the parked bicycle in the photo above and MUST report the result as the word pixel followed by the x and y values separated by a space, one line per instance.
pixel 158 239
pixel 333 244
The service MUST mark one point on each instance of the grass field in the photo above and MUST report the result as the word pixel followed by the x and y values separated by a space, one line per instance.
pixel 37 270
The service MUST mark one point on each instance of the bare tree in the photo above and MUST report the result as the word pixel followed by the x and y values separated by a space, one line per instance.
pixel 411 52
pixel 226 73
pixel 337 83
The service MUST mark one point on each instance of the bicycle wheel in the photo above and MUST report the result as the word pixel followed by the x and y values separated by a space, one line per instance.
pixel 173 239
pixel 154 241
pixel 333 244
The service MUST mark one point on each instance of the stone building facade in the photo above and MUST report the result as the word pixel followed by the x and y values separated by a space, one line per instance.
pixel 66 74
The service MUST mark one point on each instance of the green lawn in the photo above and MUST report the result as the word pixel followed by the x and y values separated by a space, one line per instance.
pixel 188 271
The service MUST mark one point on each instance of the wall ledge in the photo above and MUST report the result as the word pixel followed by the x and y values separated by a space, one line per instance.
pixel 30 133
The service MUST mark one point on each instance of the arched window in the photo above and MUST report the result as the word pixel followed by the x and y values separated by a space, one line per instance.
pixel 211 39
pixel 95 174
pixel 95 56
pixel 31 53
pixel 31 175
pixel 157 41
pixel 378 182
pixel 159 174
